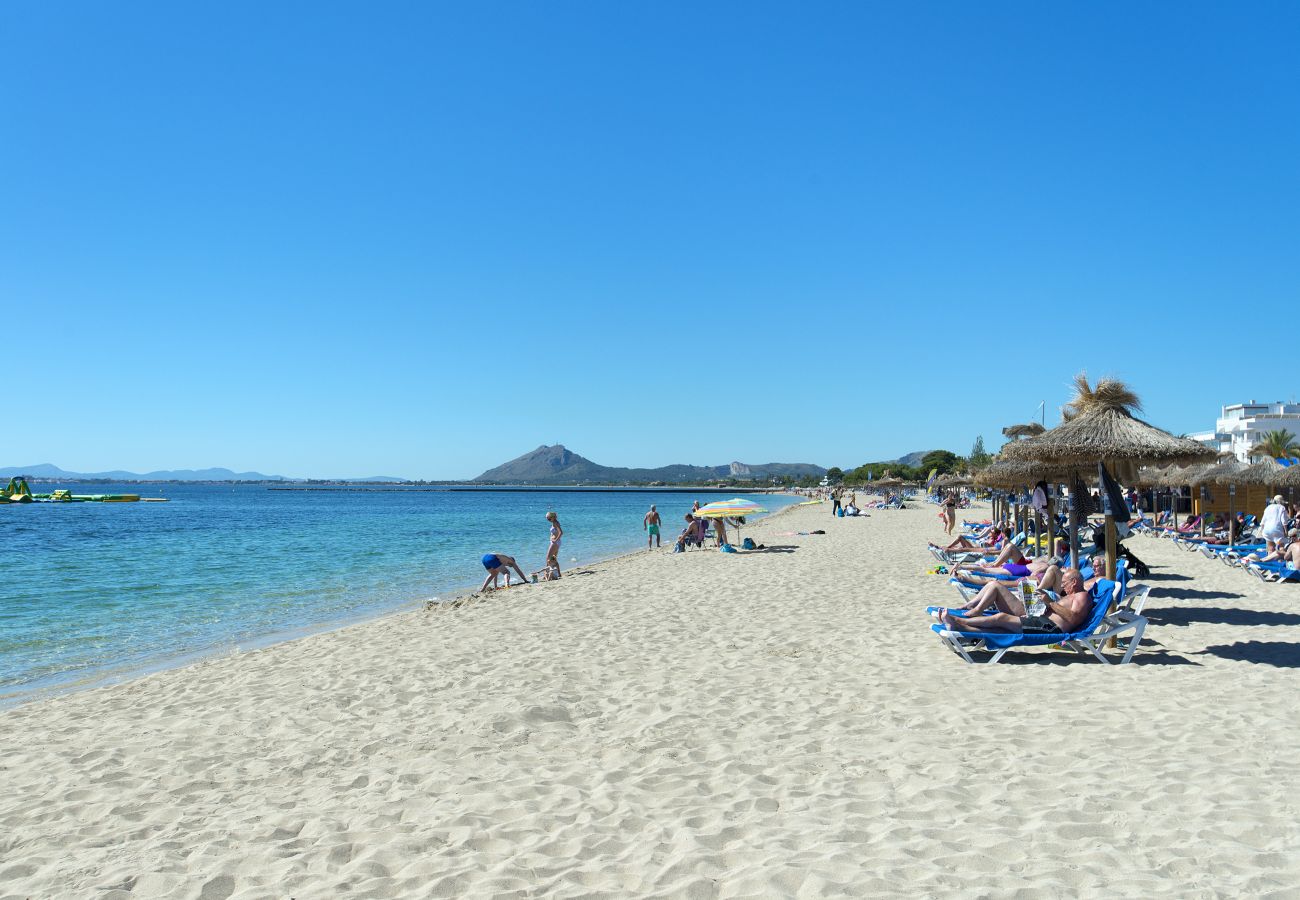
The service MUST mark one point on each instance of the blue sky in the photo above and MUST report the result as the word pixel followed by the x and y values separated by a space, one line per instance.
pixel 417 239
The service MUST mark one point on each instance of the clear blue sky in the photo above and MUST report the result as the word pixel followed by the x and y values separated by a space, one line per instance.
pixel 413 239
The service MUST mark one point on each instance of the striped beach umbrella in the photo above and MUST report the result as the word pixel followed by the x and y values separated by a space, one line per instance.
pixel 729 509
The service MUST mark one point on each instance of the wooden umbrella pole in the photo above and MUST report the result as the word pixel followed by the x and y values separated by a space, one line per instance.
pixel 1074 529
pixel 1051 522
pixel 1203 499
pixel 1112 554
pixel 1232 513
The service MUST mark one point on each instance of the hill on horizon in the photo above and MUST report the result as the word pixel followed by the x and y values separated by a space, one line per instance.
pixel 51 471
pixel 559 465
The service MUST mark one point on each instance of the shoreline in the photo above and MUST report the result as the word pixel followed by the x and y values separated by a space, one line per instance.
pixel 124 674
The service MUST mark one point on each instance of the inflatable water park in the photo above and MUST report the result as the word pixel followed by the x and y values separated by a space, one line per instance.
pixel 18 491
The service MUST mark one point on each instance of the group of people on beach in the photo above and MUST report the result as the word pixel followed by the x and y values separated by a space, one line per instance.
pixel 693 535
pixel 498 564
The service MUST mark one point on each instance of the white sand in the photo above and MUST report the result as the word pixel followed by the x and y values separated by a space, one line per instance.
pixel 769 724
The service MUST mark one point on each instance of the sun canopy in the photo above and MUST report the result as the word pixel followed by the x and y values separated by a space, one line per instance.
pixel 729 508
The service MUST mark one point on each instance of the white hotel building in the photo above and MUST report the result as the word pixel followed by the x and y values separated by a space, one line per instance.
pixel 1243 425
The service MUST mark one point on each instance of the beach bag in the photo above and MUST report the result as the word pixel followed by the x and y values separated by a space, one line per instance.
pixel 727 548
pixel 748 544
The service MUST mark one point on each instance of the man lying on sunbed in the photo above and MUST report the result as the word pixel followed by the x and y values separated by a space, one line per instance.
pixel 1062 616
pixel 989 542
pixel 1287 550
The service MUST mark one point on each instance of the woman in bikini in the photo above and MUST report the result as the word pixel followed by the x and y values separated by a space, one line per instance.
pixel 553 552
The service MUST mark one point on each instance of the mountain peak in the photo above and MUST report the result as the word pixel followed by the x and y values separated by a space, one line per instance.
pixel 558 464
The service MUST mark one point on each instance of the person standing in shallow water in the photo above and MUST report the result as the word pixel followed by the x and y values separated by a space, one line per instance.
pixel 553 552
pixel 651 523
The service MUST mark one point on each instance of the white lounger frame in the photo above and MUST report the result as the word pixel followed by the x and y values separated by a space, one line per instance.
pixel 963 643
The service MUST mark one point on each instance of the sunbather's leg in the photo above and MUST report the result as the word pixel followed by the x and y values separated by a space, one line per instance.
pixel 996 622
pixel 995 595
pixel 1051 580
pixel 1010 553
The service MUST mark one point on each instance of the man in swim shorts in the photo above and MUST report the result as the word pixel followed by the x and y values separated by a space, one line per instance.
pixel 1062 616
pixel 496 563
pixel 651 524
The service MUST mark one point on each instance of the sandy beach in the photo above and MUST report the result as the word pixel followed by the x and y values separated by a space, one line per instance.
pixel 777 723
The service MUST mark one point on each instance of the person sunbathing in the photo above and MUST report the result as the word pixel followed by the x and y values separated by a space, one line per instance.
pixel 693 533
pixel 1044 571
pixel 989 542
pixel 1013 560
pixel 1286 551
pixel 1061 616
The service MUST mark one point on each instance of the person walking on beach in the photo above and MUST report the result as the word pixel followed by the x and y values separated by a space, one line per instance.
pixel 651 524
pixel 836 494
pixel 553 552
pixel 950 513
pixel 496 563
pixel 1273 525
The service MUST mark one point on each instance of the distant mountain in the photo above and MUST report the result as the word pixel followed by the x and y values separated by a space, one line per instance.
pixel 912 459
pixel 560 465
pixel 53 472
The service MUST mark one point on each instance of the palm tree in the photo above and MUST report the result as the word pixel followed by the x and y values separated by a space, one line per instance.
pixel 1276 445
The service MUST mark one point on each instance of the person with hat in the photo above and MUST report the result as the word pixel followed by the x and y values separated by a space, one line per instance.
pixel 1273 525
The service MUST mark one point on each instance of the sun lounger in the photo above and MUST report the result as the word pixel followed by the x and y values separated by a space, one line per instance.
pixel 1273 571
pixel 1107 621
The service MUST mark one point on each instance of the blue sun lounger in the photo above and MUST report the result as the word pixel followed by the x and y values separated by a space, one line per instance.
pixel 1277 571
pixel 1106 622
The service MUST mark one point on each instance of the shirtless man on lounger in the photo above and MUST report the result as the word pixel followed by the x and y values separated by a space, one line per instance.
pixel 1063 616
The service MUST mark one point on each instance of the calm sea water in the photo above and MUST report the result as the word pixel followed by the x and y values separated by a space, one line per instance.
pixel 91 590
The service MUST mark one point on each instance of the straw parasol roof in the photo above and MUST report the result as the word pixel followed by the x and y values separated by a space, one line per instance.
pixel 1267 472
pixel 1029 429
pixel 1182 476
pixel 1103 430
pixel 952 480
pixel 1151 476
pixel 1290 477
pixel 889 482
pixel 1226 472
pixel 1007 473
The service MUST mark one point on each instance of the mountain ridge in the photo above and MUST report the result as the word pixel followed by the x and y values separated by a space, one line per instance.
pixel 51 471
pixel 557 464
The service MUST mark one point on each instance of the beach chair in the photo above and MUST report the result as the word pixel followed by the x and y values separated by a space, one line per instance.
pixel 1107 621
pixel 1276 571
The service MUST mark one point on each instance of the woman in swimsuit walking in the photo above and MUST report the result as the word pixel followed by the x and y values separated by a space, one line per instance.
pixel 553 553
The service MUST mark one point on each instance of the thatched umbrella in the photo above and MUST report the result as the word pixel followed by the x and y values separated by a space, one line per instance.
pixel 1268 473
pixel 1102 430
pixel 1265 473
pixel 1011 474
pixel 1228 471
pixel 1290 477
pixel 1028 429
pixel 1175 478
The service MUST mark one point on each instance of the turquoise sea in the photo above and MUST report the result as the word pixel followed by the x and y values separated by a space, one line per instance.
pixel 93 591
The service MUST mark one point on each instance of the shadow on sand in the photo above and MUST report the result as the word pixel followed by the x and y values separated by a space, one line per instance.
pixel 1194 594
pixel 1166 576
pixel 1149 653
pixel 1281 654
pixel 1218 615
